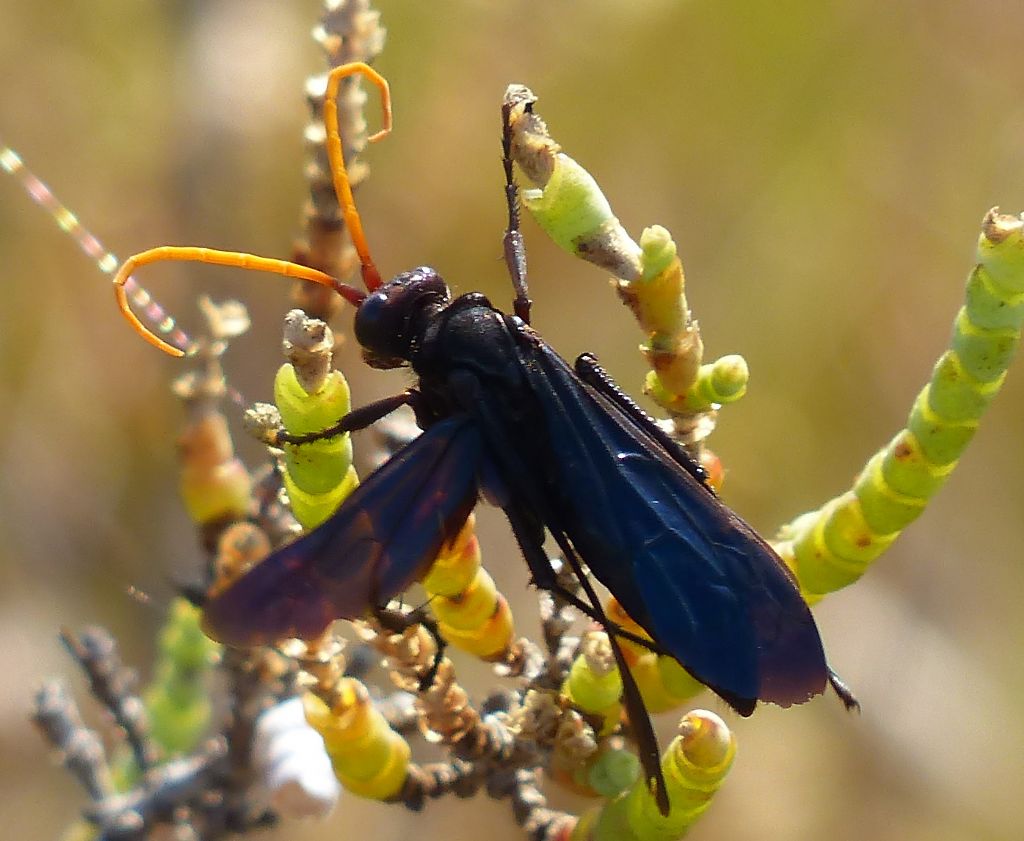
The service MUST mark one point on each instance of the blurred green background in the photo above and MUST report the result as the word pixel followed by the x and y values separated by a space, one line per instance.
pixel 824 168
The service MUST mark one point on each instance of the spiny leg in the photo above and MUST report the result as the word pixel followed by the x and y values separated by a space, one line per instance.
pixel 514 247
pixel 540 565
pixel 355 420
pixel 397 621
pixel 588 370
pixel 639 718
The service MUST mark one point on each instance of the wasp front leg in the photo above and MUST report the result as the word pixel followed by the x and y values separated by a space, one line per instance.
pixel 355 420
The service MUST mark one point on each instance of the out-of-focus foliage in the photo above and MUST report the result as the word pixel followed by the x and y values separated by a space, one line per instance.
pixel 823 168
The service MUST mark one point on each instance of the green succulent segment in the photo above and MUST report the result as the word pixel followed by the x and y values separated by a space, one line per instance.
pixel 177 700
pixel 612 771
pixel 569 205
pixel 695 765
pixel 369 758
pixel 594 684
pixel 573 211
pixel 317 475
pixel 719 382
pixel 832 547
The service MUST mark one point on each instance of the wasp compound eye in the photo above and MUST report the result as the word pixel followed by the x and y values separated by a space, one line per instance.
pixel 390 319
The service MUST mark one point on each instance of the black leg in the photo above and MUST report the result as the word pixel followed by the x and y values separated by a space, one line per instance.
pixel 356 419
pixel 583 607
pixel 515 248
pixel 397 621
pixel 588 370
pixel 530 538
pixel 639 718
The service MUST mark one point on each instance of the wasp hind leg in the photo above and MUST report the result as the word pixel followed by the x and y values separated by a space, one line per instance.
pixel 530 538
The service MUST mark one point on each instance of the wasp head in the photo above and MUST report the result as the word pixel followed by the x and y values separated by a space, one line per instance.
pixel 391 319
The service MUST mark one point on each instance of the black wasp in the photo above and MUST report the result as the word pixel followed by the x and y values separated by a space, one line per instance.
pixel 561 450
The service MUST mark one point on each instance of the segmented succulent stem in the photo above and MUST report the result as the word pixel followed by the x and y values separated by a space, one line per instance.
pixel 178 696
pixel 695 766
pixel 311 396
pixel 369 758
pixel 568 204
pixel 593 683
pixel 832 547
pixel 349 31
pixel 472 615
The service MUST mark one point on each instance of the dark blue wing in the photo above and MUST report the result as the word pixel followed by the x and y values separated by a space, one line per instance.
pixel 380 540
pixel 686 568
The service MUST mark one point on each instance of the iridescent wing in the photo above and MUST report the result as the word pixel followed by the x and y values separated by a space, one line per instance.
pixel 381 539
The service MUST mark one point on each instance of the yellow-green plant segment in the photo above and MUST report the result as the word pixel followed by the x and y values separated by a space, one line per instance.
pixel 214 483
pixel 674 348
pixel 833 546
pixel 695 766
pixel 719 382
pixel 612 770
pixel 369 758
pixel 594 684
pixel 471 614
pixel 663 683
pixel 575 213
pixel 317 475
pixel 568 204
pixel 177 700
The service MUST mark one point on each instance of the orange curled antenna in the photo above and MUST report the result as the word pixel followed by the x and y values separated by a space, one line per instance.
pixel 217 258
pixel 342 188
pixel 123 282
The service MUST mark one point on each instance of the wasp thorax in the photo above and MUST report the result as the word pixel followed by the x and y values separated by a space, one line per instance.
pixel 391 318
